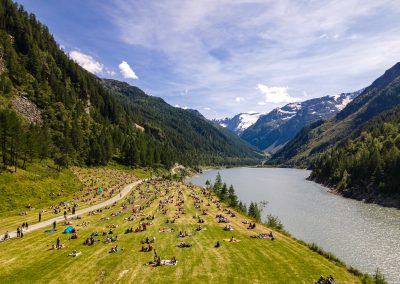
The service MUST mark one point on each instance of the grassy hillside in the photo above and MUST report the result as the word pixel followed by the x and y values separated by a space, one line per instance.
pixel 249 260
pixel 42 187
pixel 34 185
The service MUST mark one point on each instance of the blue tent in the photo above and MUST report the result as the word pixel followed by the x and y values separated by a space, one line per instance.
pixel 69 230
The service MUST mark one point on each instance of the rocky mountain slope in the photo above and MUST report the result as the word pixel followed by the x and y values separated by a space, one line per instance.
pixel 273 130
pixel 239 122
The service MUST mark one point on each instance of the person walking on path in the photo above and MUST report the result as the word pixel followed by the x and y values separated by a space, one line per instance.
pixel 18 232
pixel 22 232
pixel 65 215
pixel 40 216
pixel 54 225
pixel 26 226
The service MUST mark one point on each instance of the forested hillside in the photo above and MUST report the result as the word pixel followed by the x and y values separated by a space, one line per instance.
pixel 185 131
pixel 366 165
pixel 77 120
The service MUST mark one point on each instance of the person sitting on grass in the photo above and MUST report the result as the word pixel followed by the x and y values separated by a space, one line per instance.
pixel 217 245
pixel 115 249
pixel 6 236
pixel 173 260
pixel 147 249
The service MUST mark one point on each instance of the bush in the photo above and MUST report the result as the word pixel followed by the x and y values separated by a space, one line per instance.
pixel 274 222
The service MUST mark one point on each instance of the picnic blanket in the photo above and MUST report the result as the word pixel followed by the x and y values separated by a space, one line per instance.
pixel 168 262
pixel 50 231
pixel 234 241
pixel 75 254
pixel 118 250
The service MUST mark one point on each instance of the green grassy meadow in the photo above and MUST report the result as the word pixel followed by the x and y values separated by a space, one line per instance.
pixel 283 260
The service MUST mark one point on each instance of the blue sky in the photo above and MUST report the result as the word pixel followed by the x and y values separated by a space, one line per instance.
pixel 224 57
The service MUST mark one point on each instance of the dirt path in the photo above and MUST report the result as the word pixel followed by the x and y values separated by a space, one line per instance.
pixel 110 201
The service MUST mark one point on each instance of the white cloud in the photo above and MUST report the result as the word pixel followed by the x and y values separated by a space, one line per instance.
pixel 111 73
pixel 86 61
pixel 239 99
pixel 318 46
pixel 182 107
pixel 275 94
pixel 127 71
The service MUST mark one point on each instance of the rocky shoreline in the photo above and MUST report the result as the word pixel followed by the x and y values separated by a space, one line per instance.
pixel 369 195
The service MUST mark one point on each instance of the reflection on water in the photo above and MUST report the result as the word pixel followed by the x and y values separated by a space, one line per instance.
pixel 365 236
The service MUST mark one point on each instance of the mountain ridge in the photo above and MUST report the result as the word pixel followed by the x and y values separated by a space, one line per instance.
pixel 276 128
pixel 380 96
pixel 239 122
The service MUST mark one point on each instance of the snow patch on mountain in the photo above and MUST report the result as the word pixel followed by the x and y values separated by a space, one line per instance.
pixel 274 129
pixel 247 120
pixel 239 122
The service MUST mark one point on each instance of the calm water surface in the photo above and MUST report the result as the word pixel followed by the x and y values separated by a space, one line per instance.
pixel 365 236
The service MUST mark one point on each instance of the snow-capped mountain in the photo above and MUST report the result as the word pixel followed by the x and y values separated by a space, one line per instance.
pixel 273 130
pixel 239 122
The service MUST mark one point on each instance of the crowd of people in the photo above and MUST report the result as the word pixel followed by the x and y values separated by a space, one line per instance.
pixel 171 200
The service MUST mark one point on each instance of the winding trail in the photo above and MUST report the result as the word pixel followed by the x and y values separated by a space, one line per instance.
pixel 110 201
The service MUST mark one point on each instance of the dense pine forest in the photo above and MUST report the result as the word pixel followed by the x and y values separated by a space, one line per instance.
pixel 73 117
pixel 369 161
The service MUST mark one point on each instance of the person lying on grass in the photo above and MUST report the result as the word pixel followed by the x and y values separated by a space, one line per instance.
pixel 75 253
pixel 159 262
pixel 232 240
pixel 184 234
pixel 228 228
pixel 184 245
pixel 166 230
pixel 264 236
